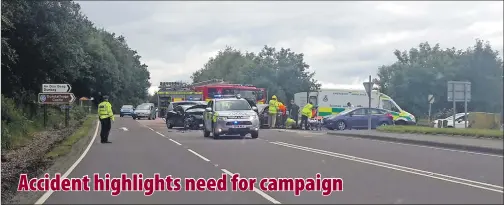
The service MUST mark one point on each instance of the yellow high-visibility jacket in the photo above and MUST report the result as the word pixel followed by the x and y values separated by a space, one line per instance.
pixel 307 110
pixel 273 106
pixel 105 110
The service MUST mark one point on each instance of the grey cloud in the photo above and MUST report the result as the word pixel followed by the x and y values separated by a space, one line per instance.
pixel 363 34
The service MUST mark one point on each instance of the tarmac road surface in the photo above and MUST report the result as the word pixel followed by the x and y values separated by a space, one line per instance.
pixel 371 171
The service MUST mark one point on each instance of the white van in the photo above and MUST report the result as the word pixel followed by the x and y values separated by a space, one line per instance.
pixel 334 101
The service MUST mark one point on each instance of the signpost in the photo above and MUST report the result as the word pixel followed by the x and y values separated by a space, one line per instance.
pixel 459 91
pixel 430 98
pixel 56 94
pixel 369 87
pixel 56 88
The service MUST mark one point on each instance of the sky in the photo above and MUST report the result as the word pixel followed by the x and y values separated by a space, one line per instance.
pixel 349 40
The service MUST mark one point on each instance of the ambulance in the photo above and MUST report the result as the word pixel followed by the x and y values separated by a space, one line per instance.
pixel 334 101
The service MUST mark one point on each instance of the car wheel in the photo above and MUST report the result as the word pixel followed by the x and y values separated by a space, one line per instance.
pixel 214 133
pixel 121 115
pixel 383 124
pixel 134 118
pixel 150 118
pixel 341 125
pixel 255 134
pixel 169 124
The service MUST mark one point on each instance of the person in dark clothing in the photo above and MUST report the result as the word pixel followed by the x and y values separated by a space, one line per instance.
pixel 294 112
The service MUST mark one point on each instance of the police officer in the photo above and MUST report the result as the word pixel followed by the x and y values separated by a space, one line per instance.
pixel 272 111
pixel 106 117
pixel 306 113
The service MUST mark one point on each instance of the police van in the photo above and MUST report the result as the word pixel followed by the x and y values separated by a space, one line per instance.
pixel 334 101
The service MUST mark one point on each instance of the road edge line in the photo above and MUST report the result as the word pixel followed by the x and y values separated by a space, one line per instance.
pixel 48 194
pixel 479 149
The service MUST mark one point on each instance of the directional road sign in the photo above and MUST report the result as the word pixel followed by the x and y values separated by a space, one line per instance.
pixel 56 88
pixel 459 91
pixel 56 98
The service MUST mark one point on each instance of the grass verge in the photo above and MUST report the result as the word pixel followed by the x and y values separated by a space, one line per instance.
pixel 64 147
pixel 496 134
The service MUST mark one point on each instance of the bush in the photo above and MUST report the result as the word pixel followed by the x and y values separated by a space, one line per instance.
pixel 20 121
pixel 443 131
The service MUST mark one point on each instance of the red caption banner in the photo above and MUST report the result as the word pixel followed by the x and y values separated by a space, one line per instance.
pixel 173 184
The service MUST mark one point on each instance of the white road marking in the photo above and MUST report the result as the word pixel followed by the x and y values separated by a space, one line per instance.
pixel 443 177
pixel 150 129
pixel 425 146
pixel 124 128
pixel 46 195
pixel 174 141
pixel 160 134
pixel 199 155
pixel 256 190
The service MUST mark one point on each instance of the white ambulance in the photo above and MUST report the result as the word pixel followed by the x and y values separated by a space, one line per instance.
pixel 334 101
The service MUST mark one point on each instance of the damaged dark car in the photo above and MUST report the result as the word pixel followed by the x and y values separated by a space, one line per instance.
pixel 186 116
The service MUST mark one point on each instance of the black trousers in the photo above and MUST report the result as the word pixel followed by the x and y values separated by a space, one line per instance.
pixel 304 120
pixel 106 124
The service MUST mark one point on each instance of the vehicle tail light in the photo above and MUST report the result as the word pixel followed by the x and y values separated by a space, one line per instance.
pixel 390 116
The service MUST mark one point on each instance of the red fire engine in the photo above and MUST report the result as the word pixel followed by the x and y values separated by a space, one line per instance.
pixel 213 88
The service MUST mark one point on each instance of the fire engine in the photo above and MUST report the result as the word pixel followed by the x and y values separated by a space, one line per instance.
pixel 205 91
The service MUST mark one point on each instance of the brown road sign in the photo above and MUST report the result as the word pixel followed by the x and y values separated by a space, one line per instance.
pixel 56 98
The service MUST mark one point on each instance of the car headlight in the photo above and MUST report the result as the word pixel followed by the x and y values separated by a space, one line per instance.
pixel 221 118
pixel 253 117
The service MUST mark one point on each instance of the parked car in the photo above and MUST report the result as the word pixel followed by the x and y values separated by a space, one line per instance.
pixel 126 110
pixel 357 118
pixel 145 110
pixel 187 116
pixel 460 119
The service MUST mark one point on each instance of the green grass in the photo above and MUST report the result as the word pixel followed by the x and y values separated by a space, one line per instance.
pixel 66 146
pixel 443 131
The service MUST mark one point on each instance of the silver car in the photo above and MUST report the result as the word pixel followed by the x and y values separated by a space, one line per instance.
pixel 230 116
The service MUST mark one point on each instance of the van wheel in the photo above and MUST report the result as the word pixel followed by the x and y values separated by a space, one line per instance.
pixel 400 122
pixel 341 125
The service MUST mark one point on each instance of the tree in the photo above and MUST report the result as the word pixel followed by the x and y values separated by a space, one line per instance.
pixel 52 42
pixel 425 70
pixel 283 73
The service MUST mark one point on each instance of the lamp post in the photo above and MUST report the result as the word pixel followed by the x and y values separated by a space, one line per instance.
pixel 369 86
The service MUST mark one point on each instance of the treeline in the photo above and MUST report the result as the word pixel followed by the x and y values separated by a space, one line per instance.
pixel 282 72
pixel 53 42
pixel 426 70
pixel 416 74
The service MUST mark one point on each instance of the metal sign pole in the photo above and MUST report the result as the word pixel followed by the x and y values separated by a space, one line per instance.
pixel 454 104
pixel 369 103
pixel 465 106
pixel 430 106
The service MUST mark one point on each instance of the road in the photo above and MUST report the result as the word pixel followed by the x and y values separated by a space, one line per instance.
pixel 372 171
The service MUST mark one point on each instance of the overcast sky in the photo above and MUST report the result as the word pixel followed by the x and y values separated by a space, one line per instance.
pixel 343 42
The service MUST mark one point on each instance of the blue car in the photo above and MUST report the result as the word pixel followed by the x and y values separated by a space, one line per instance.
pixel 357 118
pixel 126 110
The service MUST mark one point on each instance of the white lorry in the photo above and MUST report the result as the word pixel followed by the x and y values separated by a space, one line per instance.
pixel 334 101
